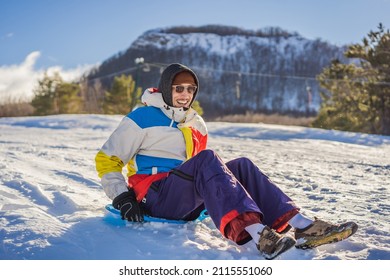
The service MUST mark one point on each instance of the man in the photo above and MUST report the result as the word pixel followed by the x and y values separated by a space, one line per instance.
pixel 172 175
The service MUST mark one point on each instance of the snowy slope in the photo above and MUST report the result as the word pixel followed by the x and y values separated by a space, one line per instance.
pixel 52 206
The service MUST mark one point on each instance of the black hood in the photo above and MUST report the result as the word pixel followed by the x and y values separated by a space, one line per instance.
pixel 167 77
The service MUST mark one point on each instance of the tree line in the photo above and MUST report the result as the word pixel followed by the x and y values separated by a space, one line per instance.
pixel 54 96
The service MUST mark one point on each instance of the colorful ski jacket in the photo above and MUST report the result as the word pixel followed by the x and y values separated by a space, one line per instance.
pixel 150 141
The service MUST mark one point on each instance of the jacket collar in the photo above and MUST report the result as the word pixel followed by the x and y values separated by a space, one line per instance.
pixel 151 97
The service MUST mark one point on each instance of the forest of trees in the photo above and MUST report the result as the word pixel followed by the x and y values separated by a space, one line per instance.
pixel 54 96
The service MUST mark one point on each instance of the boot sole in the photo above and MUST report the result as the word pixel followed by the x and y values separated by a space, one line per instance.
pixel 332 237
pixel 286 244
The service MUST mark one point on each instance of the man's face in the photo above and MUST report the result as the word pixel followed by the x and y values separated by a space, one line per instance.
pixel 182 95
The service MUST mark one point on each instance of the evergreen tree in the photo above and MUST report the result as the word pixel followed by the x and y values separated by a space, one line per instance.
pixel 45 101
pixel 54 96
pixel 374 54
pixel 357 96
pixel 69 99
pixel 344 106
pixel 196 106
pixel 123 96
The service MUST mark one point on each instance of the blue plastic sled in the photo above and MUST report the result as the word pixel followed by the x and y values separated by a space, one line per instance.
pixel 203 215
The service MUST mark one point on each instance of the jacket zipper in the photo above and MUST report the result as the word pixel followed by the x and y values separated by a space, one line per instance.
pixel 173 118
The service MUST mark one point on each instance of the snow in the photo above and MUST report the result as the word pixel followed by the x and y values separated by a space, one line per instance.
pixel 52 205
pixel 226 45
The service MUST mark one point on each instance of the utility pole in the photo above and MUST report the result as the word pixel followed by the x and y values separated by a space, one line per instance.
pixel 139 61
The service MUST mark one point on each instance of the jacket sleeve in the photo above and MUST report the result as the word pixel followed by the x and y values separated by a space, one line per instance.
pixel 120 147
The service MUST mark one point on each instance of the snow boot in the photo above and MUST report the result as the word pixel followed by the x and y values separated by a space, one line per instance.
pixel 321 232
pixel 271 244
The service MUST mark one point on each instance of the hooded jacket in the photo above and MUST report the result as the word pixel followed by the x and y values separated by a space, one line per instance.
pixel 150 141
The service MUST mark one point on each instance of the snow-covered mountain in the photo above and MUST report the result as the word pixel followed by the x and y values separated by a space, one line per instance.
pixel 268 70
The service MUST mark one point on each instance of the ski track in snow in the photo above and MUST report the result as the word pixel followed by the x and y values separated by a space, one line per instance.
pixel 52 204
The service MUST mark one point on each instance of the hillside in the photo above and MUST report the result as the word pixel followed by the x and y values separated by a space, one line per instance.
pixel 267 70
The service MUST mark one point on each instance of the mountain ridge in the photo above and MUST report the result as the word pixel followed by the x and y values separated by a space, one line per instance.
pixel 269 70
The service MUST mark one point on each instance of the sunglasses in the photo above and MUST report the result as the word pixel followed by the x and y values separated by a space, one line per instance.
pixel 180 89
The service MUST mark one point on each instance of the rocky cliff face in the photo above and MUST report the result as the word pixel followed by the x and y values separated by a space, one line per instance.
pixel 269 70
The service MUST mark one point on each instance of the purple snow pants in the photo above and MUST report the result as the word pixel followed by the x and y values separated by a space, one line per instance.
pixel 205 181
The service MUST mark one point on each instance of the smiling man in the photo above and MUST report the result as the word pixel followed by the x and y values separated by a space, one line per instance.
pixel 183 90
pixel 171 175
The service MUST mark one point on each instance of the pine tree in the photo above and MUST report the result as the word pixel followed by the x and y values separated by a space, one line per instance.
pixel 123 96
pixel 45 101
pixel 375 58
pixel 357 96
pixel 344 104
pixel 54 96
pixel 69 99
pixel 196 106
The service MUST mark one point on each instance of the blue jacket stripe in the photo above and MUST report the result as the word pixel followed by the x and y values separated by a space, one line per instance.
pixel 162 164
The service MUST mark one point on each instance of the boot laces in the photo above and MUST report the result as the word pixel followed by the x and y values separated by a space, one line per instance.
pixel 272 236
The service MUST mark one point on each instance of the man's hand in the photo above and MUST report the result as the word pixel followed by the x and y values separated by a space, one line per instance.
pixel 127 204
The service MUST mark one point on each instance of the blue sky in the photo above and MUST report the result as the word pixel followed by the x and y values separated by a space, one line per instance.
pixel 69 33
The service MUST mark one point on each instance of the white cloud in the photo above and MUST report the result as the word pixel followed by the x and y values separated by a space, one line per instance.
pixel 18 81
pixel 70 75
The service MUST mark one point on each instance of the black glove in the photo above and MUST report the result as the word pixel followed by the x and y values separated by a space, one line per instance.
pixel 129 207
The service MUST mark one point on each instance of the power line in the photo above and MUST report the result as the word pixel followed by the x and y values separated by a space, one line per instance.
pixel 114 74
pixel 162 65
pixel 269 75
